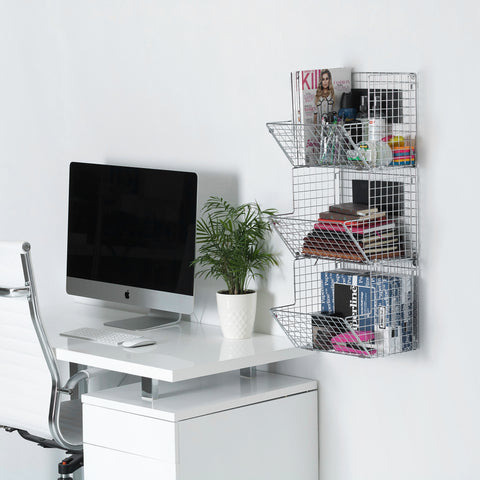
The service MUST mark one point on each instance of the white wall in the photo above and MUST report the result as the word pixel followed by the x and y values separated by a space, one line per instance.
pixel 190 84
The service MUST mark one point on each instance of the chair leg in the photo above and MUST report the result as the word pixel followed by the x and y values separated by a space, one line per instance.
pixel 69 465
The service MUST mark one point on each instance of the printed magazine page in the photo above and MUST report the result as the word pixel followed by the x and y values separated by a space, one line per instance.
pixel 314 94
pixel 319 91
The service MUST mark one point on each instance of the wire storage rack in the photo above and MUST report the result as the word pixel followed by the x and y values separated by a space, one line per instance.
pixel 353 231
pixel 390 103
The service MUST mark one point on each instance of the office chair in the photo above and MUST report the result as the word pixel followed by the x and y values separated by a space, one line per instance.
pixel 31 399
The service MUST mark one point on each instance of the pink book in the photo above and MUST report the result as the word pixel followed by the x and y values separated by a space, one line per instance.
pixel 355 227
pixel 348 343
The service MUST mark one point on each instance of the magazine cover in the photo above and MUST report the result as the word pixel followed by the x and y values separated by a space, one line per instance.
pixel 319 91
pixel 314 94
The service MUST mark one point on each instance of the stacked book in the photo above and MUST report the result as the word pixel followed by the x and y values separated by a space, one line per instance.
pixel 403 155
pixel 403 150
pixel 354 232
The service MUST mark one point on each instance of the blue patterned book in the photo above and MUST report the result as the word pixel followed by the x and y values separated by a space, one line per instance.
pixel 374 303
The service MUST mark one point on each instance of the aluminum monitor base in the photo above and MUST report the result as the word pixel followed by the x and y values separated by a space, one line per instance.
pixel 147 322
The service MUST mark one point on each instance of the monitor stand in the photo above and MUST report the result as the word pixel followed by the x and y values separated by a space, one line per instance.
pixel 155 319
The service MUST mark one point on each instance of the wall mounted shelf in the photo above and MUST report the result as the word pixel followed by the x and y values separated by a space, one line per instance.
pixel 355 278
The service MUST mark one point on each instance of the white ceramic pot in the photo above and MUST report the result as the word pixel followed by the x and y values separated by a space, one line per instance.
pixel 237 314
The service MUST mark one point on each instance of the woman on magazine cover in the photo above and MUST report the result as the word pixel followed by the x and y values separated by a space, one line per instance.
pixel 324 97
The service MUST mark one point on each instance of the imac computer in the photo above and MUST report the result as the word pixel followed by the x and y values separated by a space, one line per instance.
pixel 131 240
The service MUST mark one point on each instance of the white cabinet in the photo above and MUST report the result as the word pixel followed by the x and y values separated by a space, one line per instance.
pixel 216 428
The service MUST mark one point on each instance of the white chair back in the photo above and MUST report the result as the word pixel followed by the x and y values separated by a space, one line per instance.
pixel 28 383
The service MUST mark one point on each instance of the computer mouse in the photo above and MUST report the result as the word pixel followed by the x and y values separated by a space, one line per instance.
pixel 138 342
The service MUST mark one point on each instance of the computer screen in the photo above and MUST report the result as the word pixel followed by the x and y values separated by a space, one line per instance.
pixel 131 236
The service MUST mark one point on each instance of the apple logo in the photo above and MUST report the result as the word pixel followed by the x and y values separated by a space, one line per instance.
pixel 127 294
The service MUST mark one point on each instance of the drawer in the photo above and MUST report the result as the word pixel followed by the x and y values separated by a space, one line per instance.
pixel 102 463
pixel 136 434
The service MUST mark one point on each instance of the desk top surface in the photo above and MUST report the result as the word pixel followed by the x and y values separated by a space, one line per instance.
pixel 182 352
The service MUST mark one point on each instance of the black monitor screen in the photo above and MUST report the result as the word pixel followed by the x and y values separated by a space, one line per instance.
pixel 132 226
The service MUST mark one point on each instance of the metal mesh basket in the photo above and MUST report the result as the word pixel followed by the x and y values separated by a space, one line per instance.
pixel 386 138
pixel 389 233
pixel 351 311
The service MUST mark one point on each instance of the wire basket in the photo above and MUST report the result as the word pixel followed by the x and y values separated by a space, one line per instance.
pixel 359 312
pixel 341 241
pixel 340 145
pixel 387 234
pixel 384 138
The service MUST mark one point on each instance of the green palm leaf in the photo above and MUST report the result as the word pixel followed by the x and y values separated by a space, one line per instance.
pixel 232 243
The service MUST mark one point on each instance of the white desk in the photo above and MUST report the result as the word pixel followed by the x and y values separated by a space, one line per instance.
pixel 204 422
pixel 189 350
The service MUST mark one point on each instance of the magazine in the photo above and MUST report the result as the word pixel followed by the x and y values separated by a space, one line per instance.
pixel 312 97
pixel 315 94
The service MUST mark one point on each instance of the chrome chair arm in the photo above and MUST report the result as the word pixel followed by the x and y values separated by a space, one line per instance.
pixel 13 292
pixel 81 375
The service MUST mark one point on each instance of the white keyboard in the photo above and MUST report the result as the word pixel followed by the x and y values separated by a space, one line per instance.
pixel 101 335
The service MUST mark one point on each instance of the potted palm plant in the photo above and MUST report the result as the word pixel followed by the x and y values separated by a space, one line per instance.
pixel 232 247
